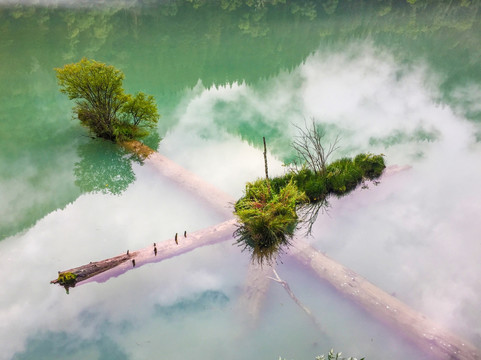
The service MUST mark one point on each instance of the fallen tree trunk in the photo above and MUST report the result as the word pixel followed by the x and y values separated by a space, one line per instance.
pixel 429 336
pixel 85 272
pixel 254 292
pixel 217 199
pixel 101 271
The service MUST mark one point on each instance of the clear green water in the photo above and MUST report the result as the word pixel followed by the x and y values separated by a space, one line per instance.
pixel 398 79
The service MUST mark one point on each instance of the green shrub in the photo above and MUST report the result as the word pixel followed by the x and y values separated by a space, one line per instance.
pixel 303 176
pixel 316 189
pixel 371 165
pixel 268 219
pixel 343 176
pixel 280 182
pixel 101 103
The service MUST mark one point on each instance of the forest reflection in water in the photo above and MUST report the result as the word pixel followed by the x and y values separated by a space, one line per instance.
pixel 243 45
pixel 402 80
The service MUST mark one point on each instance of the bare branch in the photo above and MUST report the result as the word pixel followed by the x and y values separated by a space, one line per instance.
pixel 310 149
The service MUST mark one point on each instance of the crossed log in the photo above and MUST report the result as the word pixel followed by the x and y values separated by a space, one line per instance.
pixel 427 335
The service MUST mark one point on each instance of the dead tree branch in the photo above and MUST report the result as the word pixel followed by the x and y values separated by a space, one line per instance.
pixel 310 149
pixel 286 287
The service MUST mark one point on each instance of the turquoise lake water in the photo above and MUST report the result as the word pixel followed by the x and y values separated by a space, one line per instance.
pixel 387 77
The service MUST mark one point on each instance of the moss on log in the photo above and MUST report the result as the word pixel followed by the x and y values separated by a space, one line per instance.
pixel 72 276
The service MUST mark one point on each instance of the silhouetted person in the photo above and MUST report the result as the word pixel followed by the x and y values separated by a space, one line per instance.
pixel 127 252
pixel 177 242
pixel 185 233
pixel 133 262
pixel 155 251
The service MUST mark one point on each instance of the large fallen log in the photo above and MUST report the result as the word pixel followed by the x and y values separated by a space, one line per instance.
pixel 254 292
pixel 257 283
pixel 216 198
pixel 85 272
pixel 101 271
pixel 426 334
pixel 429 336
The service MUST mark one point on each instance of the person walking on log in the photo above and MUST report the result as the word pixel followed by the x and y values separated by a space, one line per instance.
pixel 185 233
pixel 133 262
pixel 176 241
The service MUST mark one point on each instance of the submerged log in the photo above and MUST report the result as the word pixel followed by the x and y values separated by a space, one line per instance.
pixel 216 198
pixel 429 336
pixel 101 271
pixel 426 334
pixel 298 302
pixel 254 291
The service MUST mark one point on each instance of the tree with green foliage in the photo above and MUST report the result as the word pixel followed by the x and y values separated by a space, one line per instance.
pixel 101 102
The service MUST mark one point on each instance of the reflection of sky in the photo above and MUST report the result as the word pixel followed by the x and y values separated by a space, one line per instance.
pixel 416 234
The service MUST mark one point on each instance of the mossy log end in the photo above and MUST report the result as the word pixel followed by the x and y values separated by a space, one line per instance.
pixel 118 265
pixel 85 272
pixel 138 148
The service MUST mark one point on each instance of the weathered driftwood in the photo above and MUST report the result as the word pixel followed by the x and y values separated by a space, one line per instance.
pixel 429 336
pixel 216 198
pixel 85 272
pixel 101 271
pixel 257 284
pixel 254 291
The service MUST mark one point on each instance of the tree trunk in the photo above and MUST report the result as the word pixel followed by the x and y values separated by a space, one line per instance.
pixel 429 336
pixel 101 271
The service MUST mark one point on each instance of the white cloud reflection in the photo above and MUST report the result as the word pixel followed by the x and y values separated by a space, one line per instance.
pixel 416 234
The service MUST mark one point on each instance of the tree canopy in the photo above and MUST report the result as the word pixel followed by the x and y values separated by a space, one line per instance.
pixel 101 102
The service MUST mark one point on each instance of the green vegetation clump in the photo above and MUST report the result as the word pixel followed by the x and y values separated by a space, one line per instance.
pixel 268 212
pixel 343 176
pixel 268 218
pixel 335 356
pixel 371 165
pixel 67 278
pixel 101 102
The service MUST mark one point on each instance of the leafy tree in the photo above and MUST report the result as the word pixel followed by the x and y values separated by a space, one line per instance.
pixel 101 103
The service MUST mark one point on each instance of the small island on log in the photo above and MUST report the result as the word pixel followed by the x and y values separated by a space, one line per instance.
pixel 273 208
